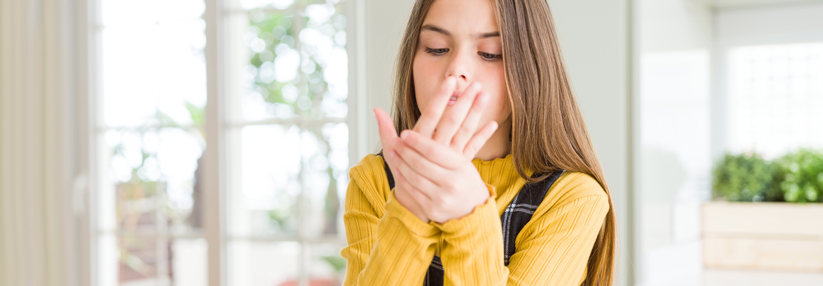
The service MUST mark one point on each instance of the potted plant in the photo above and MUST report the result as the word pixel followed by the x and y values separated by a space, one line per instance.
pixel 766 214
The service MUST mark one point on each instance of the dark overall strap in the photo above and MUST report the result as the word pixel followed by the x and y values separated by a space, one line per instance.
pixel 517 214
pixel 521 209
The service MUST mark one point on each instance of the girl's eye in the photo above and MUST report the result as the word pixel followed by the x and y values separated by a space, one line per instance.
pixel 436 52
pixel 489 57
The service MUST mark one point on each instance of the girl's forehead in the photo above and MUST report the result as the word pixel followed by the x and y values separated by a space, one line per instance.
pixel 462 17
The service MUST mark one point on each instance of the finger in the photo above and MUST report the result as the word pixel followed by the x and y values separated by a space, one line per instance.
pixel 454 117
pixel 386 129
pixel 433 151
pixel 418 163
pixel 479 139
pixel 412 176
pixel 467 130
pixel 423 200
pixel 429 117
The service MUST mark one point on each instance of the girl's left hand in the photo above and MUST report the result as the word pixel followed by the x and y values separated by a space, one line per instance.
pixel 433 161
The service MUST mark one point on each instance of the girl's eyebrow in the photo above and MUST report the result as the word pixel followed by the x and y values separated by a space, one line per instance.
pixel 433 28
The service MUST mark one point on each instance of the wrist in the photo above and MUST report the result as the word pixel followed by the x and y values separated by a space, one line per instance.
pixel 410 204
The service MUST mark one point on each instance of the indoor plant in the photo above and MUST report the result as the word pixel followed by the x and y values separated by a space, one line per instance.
pixel 766 214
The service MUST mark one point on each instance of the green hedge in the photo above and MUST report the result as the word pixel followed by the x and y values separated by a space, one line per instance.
pixel 796 177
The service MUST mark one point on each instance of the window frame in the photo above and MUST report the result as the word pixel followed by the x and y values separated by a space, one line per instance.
pixel 215 188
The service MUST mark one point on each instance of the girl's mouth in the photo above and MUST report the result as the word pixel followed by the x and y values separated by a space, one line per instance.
pixel 454 97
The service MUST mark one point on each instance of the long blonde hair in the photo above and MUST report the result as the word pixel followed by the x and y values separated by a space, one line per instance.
pixel 547 131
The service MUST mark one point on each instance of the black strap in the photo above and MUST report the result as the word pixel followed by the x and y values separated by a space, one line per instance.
pixel 388 175
pixel 516 216
pixel 520 211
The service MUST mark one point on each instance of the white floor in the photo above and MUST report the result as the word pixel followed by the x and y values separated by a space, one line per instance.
pixel 717 277
pixel 681 265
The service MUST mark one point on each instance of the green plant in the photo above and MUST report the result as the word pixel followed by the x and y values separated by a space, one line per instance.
pixel 801 176
pixel 745 177
pixel 336 262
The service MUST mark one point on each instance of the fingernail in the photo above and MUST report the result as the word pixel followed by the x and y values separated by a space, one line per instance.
pixel 391 155
pixel 404 134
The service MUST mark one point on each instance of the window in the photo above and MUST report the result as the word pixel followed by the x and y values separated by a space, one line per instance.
pixel 285 133
pixel 775 93
pixel 287 139
pixel 150 139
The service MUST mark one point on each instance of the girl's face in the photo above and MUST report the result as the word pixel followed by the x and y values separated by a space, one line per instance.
pixel 460 38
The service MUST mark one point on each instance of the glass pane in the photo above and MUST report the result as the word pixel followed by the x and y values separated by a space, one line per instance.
pixel 277 164
pixel 266 182
pixel 141 260
pixel 189 262
pixel 276 4
pixel 153 99
pixel 265 4
pixel 273 83
pixel 152 181
pixel 325 149
pixel 153 63
pixel 775 94
pixel 325 61
pixel 292 72
pixel 263 263
pixel 327 267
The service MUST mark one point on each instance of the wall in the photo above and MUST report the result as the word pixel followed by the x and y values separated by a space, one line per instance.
pixel 383 26
pixel 595 41
pixel 770 24
pixel 675 42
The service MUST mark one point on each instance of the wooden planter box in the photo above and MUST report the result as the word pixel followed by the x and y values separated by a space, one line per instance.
pixel 763 236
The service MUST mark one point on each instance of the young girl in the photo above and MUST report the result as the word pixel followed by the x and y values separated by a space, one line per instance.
pixel 493 179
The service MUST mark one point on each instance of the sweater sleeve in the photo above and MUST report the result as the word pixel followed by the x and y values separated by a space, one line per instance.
pixel 554 250
pixel 395 249
pixel 472 252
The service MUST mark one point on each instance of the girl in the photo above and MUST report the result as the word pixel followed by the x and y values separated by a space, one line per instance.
pixel 493 179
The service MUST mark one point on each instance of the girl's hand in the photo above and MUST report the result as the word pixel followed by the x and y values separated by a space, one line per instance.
pixel 433 164
pixel 388 137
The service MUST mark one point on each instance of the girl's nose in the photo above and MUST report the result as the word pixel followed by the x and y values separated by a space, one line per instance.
pixel 460 67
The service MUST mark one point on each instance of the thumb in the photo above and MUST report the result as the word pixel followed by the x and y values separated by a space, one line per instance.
pixel 386 129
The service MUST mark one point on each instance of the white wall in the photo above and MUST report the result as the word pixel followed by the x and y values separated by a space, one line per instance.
pixel 595 41
pixel 383 26
pixel 770 24
pixel 674 73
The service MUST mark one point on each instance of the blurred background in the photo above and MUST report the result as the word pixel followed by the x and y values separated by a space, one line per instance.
pixel 207 142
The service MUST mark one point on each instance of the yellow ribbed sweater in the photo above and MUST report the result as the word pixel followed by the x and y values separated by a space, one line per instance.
pixel 388 245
